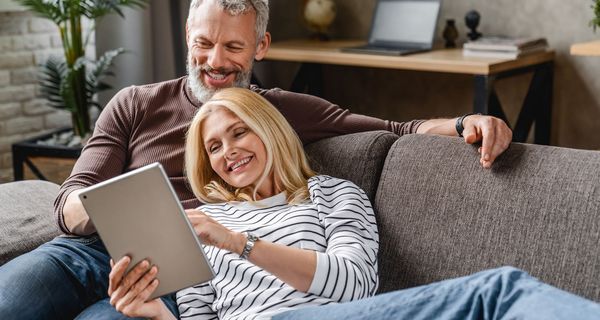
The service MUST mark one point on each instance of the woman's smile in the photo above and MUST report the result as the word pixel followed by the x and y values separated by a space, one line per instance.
pixel 240 165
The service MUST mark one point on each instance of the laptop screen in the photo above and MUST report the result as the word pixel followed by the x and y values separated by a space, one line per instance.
pixel 404 21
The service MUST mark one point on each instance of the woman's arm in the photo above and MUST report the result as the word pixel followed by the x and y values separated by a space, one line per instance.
pixel 293 266
pixel 347 270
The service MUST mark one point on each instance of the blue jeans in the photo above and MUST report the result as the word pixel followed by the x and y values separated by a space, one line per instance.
pixel 65 278
pixel 504 293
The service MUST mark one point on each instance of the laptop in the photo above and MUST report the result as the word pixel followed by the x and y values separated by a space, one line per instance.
pixel 138 214
pixel 401 27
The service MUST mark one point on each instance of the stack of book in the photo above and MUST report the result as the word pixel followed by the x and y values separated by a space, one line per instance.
pixel 503 47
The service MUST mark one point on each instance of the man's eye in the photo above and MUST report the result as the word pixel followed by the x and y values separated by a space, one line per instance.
pixel 235 48
pixel 202 44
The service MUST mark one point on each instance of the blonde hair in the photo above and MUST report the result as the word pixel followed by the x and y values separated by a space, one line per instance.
pixel 286 160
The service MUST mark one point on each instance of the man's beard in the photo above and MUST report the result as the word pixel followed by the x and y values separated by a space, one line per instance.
pixel 202 92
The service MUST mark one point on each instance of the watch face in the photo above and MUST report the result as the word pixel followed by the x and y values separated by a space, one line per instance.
pixel 251 237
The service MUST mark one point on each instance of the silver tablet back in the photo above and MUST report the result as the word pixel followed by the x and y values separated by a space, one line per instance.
pixel 138 214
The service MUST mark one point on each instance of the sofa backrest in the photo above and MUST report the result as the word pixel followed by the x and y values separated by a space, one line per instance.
pixel 356 157
pixel 441 215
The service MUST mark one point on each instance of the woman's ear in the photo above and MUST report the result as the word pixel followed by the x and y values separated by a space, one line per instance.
pixel 263 47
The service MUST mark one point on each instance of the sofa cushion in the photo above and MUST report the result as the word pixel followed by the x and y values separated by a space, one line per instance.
pixel 442 215
pixel 357 157
pixel 26 216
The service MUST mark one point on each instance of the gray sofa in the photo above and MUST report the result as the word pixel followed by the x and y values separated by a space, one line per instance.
pixel 440 215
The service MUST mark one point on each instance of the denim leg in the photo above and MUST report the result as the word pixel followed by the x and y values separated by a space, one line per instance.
pixel 55 281
pixel 504 293
pixel 103 310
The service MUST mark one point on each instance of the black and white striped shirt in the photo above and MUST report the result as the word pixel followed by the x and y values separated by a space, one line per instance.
pixel 338 223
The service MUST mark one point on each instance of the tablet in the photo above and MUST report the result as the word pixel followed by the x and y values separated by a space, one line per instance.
pixel 138 214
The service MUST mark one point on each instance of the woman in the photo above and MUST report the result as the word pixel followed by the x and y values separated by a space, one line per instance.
pixel 317 236
pixel 282 239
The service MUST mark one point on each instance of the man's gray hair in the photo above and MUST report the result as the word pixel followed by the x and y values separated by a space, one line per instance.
pixel 237 7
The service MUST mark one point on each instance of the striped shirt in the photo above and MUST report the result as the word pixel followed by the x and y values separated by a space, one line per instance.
pixel 338 224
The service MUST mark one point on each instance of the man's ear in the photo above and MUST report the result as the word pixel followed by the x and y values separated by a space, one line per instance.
pixel 263 47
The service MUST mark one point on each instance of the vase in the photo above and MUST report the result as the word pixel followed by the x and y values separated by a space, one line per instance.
pixel 450 34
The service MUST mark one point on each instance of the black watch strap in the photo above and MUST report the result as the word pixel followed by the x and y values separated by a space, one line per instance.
pixel 459 124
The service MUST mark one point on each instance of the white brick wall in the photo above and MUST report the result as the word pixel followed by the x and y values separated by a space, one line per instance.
pixel 25 42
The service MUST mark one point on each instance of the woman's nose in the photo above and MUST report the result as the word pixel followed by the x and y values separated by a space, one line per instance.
pixel 230 153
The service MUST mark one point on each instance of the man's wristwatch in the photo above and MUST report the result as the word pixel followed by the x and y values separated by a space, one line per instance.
pixel 459 123
pixel 251 238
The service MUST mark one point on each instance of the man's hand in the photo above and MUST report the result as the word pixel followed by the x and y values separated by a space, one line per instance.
pixel 494 134
pixel 75 216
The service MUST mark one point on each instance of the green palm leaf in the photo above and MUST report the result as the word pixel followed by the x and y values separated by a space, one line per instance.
pixel 97 8
pixel 53 71
pixel 595 23
pixel 54 10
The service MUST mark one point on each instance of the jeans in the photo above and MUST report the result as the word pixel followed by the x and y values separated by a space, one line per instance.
pixel 65 278
pixel 503 293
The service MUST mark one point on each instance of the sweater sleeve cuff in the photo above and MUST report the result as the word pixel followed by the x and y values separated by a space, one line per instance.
pixel 416 125
pixel 59 204
pixel 319 281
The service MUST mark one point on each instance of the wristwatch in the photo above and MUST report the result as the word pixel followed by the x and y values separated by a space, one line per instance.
pixel 251 238
pixel 459 123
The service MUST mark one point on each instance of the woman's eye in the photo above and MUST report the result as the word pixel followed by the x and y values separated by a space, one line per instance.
pixel 240 132
pixel 213 148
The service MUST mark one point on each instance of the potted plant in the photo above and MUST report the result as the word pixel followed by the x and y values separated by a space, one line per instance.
pixel 595 22
pixel 70 83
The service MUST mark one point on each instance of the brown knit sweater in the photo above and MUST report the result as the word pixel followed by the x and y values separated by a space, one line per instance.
pixel 145 124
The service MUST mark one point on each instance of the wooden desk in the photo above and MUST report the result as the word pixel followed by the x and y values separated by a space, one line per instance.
pixel 586 49
pixel 537 106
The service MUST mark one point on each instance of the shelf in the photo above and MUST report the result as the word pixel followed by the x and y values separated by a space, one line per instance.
pixel 586 49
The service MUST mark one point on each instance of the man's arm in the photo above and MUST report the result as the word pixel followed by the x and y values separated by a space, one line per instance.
pixel 494 134
pixel 314 118
pixel 103 157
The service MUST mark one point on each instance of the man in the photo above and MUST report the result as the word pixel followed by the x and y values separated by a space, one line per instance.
pixel 145 124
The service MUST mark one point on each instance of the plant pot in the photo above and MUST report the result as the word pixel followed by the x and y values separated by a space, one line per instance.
pixel 37 161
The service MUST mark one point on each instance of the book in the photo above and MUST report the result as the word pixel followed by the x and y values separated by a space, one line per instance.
pixel 505 44
pixel 503 53
pixel 503 47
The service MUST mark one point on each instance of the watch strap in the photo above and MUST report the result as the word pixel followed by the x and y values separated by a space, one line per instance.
pixel 251 239
pixel 459 124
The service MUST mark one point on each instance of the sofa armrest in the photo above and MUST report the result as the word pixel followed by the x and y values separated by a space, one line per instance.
pixel 26 216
